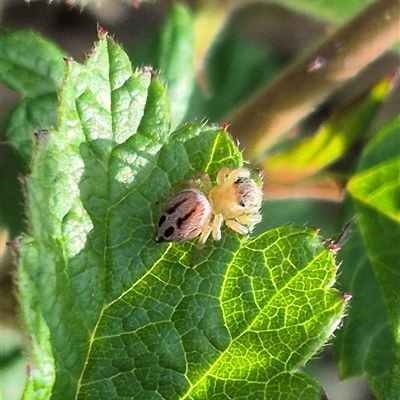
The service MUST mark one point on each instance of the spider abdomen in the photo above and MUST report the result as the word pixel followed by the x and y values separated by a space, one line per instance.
pixel 184 217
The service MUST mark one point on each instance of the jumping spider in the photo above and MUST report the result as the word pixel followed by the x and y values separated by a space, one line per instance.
pixel 236 199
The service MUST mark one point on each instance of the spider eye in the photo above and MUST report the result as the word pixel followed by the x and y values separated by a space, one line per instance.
pixel 169 231
pixel 162 220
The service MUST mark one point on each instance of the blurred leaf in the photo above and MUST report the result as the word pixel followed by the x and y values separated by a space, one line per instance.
pixel 30 64
pixel 379 189
pixel 176 60
pixel 317 213
pixel 34 67
pixel 170 51
pixel 235 68
pixel 12 361
pixel 312 154
pixel 381 213
pixel 337 11
pixel 127 317
pixel 28 116
pixel 11 198
pixel 364 345
pixel 373 321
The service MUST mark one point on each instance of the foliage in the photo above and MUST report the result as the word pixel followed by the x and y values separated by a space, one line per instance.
pixel 112 314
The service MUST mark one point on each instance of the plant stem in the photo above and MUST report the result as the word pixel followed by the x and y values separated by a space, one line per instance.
pixel 271 112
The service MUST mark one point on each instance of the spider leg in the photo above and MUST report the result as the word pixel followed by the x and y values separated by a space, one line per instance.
pixel 249 219
pixel 222 175
pixel 216 226
pixel 236 226
pixel 204 236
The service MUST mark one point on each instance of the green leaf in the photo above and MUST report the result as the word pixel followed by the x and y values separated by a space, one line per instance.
pixel 30 64
pixel 12 200
pixel 336 11
pixel 28 116
pixel 34 67
pixel 364 345
pixel 267 288
pixel 376 281
pixel 312 154
pixel 170 51
pixel 379 189
pixel 41 374
pixel 127 317
pixel 321 214
pixel 176 59
pixel 381 213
